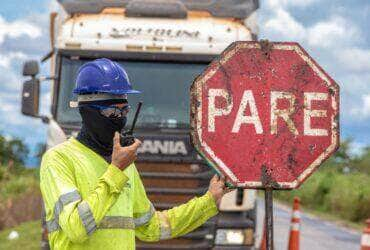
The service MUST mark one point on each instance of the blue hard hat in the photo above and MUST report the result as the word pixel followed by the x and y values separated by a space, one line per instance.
pixel 103 76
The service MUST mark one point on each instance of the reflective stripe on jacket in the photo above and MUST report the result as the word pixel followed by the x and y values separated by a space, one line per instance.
pixel 91 204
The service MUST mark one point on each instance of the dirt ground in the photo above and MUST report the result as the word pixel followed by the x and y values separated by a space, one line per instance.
pixel 23 208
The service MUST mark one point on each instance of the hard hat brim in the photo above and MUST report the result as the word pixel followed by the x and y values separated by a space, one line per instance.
pixel 102 96
pixel 114 92
pixel 132 92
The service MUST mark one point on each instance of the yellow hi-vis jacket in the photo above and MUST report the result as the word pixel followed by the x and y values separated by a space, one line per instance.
pixel 91 204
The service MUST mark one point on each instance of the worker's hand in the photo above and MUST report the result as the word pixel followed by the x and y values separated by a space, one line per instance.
pixel 217 188
pixel 122 157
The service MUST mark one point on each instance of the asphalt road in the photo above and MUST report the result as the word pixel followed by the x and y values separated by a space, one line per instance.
pixel 316 234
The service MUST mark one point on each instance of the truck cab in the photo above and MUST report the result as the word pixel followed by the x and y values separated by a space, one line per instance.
pixel 164 46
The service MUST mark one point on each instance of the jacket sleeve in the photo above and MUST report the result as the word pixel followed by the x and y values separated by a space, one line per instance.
pixel 167 224
pixel 66 210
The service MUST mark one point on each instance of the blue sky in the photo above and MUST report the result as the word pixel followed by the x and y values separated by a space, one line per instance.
pixel 335 33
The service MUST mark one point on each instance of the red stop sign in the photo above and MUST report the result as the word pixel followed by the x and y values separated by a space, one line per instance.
pixel 265 114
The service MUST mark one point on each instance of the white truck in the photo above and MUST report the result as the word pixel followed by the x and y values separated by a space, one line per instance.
pixel 163 45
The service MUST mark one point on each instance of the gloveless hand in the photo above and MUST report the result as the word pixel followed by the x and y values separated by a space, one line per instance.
pixel 122 157
pixel 217 188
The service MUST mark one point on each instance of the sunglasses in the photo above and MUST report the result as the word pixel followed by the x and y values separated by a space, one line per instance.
pixel 113 111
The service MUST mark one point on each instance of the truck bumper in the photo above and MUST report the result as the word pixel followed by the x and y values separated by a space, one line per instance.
pixel 199 246
pixel 234 248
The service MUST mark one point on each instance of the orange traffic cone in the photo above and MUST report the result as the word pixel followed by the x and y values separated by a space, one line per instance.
pixel 365 239
pixel 294 226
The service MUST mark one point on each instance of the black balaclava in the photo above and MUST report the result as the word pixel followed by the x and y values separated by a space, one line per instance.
pixel 97 130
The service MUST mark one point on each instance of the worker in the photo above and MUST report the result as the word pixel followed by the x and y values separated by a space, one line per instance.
pixel 94 197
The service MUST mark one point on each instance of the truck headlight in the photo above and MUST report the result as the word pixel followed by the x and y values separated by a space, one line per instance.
pixel 229 237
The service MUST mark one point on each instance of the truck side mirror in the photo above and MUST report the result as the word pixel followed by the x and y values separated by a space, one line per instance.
pixel 31 68
pixel 30 97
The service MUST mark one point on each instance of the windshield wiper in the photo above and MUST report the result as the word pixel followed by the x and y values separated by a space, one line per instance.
pixel 162 125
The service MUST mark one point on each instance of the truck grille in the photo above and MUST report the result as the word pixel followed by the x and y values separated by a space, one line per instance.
pixel 168 185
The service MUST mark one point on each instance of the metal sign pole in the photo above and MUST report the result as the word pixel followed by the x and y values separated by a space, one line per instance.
pixel 269 219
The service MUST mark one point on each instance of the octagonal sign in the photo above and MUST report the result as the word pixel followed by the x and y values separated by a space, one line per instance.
pixel 265 114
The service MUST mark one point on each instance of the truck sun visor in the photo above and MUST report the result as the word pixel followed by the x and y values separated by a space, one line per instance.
pixel 218 8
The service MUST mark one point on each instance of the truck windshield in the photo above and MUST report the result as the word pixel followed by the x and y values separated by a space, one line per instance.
pixel 165 90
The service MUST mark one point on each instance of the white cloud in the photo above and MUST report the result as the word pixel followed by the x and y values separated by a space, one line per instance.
pixel 20 40
pixel 355 59
pixel 17 28
pixel 333 32
pixel 286 3
pixel 10 110
pixel 363 110
pixel 336 39
pixel 10 80
pixel 285 26
pixel 7 58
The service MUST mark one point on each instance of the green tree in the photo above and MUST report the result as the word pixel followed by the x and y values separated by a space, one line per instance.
pixel 362 162
pixel 12 151
pixel 341 159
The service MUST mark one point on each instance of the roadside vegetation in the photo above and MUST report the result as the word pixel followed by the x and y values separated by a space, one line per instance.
pixel 341 187
pixel 15 179
pixel 19 188
pixel 29 237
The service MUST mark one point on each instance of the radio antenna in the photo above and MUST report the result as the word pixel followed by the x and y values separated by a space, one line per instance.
pixel 135 117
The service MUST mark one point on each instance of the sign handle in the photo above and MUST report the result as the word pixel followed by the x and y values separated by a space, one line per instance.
pixel 269 219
